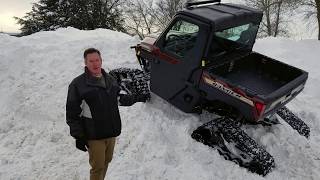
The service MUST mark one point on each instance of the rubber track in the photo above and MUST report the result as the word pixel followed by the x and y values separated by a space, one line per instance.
pixel 133 81
pixel 294 121
pixel 222 132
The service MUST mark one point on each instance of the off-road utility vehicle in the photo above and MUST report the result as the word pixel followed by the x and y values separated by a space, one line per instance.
pixel 203 61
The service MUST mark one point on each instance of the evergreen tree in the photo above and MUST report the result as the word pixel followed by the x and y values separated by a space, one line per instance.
pixel 82 14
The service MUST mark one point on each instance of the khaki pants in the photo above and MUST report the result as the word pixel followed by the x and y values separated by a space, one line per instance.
pixel 100 154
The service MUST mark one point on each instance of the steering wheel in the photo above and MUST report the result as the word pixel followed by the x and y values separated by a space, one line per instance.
pixel 173 37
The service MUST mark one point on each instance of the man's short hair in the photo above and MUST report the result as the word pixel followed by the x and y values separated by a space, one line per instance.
pixel 89 51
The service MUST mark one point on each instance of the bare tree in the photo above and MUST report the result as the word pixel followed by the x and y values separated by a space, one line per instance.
pixel 165 11
pixel 313 12
pixel 318 16
pixel 150 16
pixel 274 23
pixel 139 18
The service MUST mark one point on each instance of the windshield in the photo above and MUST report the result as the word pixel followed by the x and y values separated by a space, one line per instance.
pixel 181 38
pixel 232 39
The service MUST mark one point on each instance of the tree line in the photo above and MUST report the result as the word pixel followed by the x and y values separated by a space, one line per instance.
pixel 144 17
pixel 277 14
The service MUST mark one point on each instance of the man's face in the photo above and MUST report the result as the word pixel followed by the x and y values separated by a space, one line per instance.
pixel 93 62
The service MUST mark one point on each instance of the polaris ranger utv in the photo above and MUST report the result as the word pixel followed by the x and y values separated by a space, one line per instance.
pixel 204 61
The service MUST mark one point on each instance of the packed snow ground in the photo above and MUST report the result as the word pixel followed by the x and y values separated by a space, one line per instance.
pixel 155 142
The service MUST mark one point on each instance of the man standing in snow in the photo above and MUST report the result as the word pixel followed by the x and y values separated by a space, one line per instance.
pixel 92 112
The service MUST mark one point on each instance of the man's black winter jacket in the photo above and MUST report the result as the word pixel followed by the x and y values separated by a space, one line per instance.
pixel 92 110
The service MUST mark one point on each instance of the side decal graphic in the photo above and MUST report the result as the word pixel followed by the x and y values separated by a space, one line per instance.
pixel 221 87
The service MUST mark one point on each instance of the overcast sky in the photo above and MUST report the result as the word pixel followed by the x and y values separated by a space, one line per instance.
pixel 10 8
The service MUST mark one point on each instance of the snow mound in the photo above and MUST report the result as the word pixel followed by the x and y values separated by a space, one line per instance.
pixel 155 142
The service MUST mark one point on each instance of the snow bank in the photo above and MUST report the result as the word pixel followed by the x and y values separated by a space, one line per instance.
pixel 155 142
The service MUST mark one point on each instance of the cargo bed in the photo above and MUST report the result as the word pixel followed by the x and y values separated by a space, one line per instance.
pixel 257 73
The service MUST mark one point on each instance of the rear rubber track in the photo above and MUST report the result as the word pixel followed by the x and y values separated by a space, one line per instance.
pixel 225 135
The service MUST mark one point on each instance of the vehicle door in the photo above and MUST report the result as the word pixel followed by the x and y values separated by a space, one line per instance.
pixel 179 51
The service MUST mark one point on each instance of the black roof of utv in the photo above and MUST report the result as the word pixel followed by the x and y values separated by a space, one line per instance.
pixel 222 16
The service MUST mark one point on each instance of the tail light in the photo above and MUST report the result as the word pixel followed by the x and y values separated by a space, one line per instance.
pixel 260 107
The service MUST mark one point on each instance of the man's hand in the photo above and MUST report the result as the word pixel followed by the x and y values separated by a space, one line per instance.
pixel 82 145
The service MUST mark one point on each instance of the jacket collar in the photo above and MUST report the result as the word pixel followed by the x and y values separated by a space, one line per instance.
pixel 90 80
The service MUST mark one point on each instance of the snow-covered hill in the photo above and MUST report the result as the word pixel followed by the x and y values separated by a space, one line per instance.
pixel 155 142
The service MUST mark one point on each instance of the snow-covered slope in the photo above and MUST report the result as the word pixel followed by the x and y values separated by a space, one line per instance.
pixel 155 142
